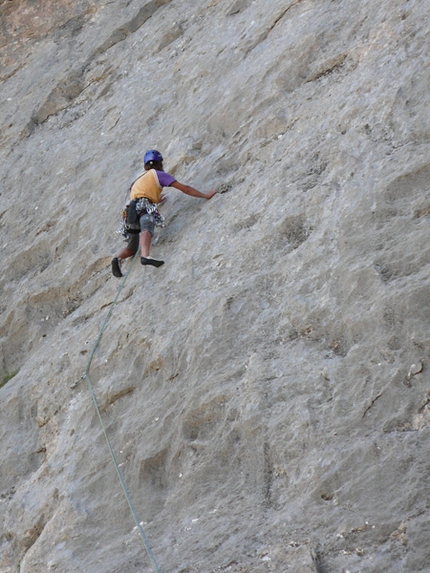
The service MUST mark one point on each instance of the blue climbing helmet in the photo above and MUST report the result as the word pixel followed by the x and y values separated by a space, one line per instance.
pixel 153 156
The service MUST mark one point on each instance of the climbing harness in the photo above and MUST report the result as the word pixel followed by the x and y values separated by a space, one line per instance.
pixel 131 215
pixel 93 398
pixel 144 205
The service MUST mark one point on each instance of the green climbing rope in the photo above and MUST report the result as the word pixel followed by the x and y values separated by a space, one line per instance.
pixel 93 398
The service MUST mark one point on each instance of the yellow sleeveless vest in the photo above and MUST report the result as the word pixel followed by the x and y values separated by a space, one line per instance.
pixel 147 186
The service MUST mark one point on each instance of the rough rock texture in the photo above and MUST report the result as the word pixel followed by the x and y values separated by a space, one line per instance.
pixel 267 391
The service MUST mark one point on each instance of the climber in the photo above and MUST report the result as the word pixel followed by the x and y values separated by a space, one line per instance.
pixel 146 192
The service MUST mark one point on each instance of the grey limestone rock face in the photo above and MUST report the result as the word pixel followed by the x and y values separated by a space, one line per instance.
pixel 266 392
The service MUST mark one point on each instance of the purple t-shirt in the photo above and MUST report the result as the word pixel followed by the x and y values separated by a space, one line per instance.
pixel 165 179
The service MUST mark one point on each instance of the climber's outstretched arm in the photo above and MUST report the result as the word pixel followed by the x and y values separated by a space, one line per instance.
pixel 188 190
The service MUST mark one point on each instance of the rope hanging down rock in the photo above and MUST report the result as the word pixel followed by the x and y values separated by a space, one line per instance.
pixel 93 398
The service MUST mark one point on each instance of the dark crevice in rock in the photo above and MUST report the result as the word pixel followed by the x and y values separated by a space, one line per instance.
pixel 238 7
pixel 117 396
pixel 264 35
pixel 33 534
pixel 423 212
pixel 334 66
pixel 371 404
pixel 268 476
pixel 72 305
pixel 72 27
pixel 12 72
pixel 171 36
pixel 318 561
pixel 60 97
pixel 121 33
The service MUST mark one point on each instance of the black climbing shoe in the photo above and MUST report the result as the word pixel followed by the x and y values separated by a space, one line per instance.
pixel 151 261
pixel 116 269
